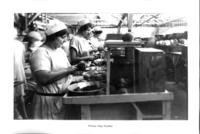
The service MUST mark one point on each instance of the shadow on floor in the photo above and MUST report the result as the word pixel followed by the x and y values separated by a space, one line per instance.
pixel 180 102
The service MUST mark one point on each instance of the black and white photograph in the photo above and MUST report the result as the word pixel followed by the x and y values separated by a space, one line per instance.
pixel 85 67
pixel 123 66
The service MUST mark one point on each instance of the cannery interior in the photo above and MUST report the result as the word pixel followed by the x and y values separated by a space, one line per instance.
pixel 100 66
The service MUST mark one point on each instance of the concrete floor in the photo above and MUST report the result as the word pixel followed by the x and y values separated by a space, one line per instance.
pixel 180 102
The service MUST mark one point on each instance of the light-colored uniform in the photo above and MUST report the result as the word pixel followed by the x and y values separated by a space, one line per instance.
pixel 19 76
pixel 50 107
pixel 97 42
pixel 19 62
pixel 82 46
pixel 65 47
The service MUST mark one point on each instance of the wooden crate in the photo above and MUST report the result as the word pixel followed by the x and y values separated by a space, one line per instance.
pixel 150 70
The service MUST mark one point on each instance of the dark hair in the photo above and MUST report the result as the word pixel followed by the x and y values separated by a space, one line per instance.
pixel 57 34
pixel 97 32
pixel 85 27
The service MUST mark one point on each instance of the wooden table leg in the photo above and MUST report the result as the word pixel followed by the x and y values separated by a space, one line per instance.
pixel 134 86
pixel 166 110
pixel 138 112
pixel 85 112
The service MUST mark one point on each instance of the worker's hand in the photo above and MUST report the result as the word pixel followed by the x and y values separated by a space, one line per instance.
pixel 94 50
pixel 72 69
pixel 91 58
pixel 96 56
pixel 81 66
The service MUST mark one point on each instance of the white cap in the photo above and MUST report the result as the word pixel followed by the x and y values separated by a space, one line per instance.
pixel 97 28
pixel 83 22
pixel 35 35
pixel 55 26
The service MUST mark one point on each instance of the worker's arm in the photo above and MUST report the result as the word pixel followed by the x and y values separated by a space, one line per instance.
pixel 45 77
pixel 75 58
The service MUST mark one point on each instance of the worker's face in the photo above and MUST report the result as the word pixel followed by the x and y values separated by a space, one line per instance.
pixel 87 33
pixel 97 35
pixel 60 40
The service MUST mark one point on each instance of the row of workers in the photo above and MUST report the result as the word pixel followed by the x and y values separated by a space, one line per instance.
pixel 51 68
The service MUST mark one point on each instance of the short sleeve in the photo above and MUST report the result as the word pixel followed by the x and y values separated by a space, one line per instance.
pixel 74 44
pixel 40 60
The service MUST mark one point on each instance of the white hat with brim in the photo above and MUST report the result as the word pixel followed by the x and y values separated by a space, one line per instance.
pixel 83 22
pixel 55 26
pixel 35 35
pixel 97 29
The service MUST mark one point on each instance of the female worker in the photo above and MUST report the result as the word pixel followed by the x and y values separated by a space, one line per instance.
pixel 81 48
pixel 97 40
pixel 35 40
pixel 52 72
pixel 19 79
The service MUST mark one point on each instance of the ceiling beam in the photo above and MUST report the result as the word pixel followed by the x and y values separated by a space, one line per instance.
pixel 172 20
pixel 152 16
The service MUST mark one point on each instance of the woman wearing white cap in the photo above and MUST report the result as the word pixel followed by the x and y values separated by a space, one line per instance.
pixel 35 40
pixel 97 40
pixel 80 47
pixel 52 72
